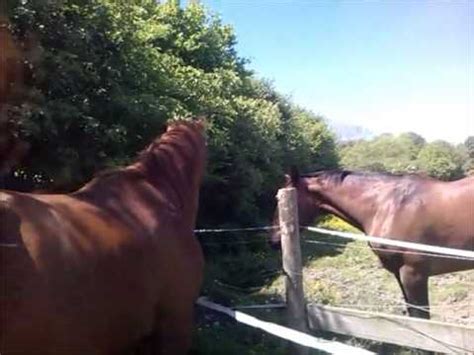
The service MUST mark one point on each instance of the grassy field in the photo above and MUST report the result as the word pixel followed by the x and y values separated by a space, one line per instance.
pixel 338 273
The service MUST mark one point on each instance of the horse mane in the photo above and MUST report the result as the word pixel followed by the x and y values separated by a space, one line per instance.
pixel 334 175
pixel 157 157
pixel 147 154
pixel 339 175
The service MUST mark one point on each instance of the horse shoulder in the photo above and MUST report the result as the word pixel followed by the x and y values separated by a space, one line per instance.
pixel 401 212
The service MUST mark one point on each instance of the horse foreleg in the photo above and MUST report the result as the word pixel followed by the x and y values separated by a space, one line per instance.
pixel 415 289
pixel 397 276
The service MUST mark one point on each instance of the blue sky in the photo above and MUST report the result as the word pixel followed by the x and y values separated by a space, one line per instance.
pixel 389 66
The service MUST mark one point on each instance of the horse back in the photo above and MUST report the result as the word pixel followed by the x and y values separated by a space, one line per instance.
pixel 452 207
pixel 79 276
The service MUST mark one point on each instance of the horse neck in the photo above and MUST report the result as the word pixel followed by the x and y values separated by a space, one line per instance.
pixel 351 200
pixel 175 166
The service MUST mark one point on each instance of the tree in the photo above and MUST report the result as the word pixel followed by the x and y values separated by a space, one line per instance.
pixel 413 141
pixel 468 166
pixel 111 73
pixel 385 153
pixel 441 160
pixel 469 143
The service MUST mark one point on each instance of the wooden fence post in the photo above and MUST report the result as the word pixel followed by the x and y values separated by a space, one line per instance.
pixel 291 255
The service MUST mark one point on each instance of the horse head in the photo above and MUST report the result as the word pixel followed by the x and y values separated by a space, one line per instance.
pixel 307 202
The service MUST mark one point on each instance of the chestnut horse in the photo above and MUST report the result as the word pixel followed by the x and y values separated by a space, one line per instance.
pixel 98 270
pixel 406 207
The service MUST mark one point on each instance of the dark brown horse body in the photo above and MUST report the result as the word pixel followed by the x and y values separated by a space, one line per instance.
pixel 97 270
pixel 409 208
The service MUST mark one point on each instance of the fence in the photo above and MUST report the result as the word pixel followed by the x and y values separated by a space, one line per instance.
pixel 387 328
pixel 292 335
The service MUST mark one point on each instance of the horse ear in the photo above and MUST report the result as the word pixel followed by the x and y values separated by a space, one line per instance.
pixel 293 178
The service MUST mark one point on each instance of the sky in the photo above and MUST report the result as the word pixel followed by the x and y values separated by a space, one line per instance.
pixel 388 66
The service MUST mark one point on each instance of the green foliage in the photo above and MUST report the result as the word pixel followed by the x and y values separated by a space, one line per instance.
pixel 469 143
pixel 111 73
pixel 91 108
pixel 310 135
pixel 468 149
pixel 441 160
pixel 406 153
pixel 386 153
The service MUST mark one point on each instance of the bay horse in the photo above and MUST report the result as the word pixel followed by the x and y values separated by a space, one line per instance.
pixel 405 207
pixel 100 269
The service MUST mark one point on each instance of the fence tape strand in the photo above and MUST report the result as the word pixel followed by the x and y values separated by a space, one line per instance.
pixel 397 243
